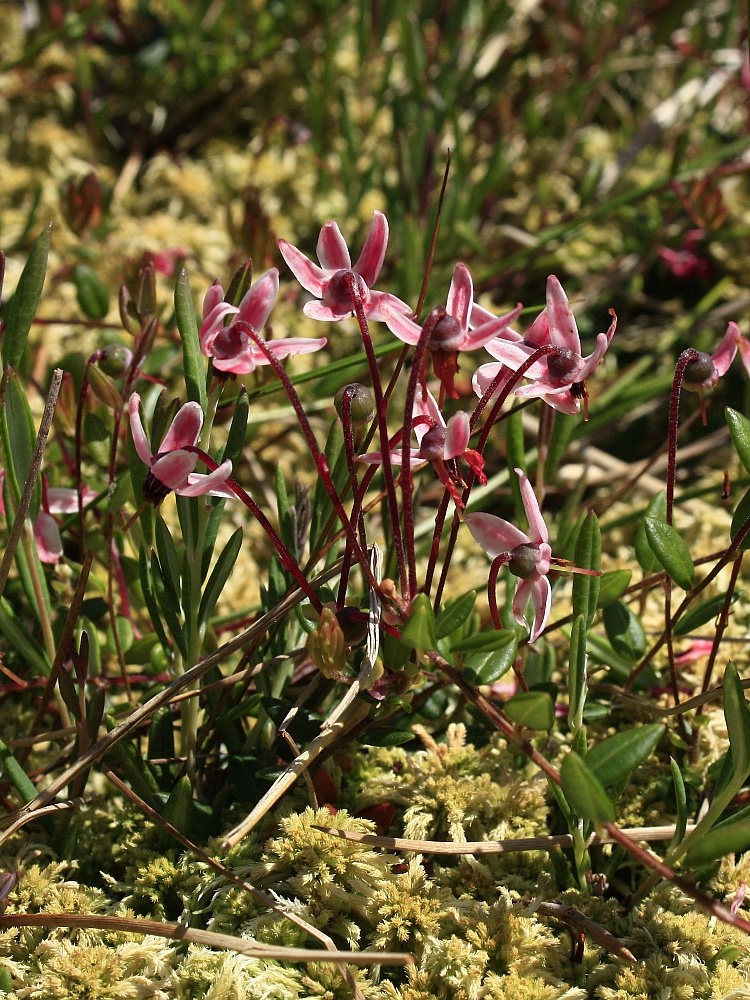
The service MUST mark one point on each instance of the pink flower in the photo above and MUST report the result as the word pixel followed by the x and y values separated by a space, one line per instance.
pixel 707 369
pixel 329 282
pixel 452 330
pixel 231 348
pixel 171 469
pixel 439 443
pixel 55 500
pixel 688 262
pixel 528 556
pixel 559 378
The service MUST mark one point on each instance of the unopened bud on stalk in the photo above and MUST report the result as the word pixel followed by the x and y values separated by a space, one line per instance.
pixel 114 360
pixel 701 373
pixel 361 402
pixel 326 645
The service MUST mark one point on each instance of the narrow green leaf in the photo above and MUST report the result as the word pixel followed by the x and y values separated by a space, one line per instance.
pixel 612 585
pixel 489 639
pixel 643 552
pixel 19 439
pixel 588 553
pixel 16 774
pixel 91 292
pixel 25 301
pixel 533 709
pixel 168 606
pixel 179 806
pixel 584 791
pixel 729 838
pixel 20 639
pixel 578 689
pixel 187 324
pixel 616 757
pixel 739 519
pixel 671 552
pixel 737 715
pixel 703 613
pixel 219 576
pixel 149 597
pixel 624 631
pixel 238 427
pixel 168 559
pixel 680 795
pixel 454 614
pixel 419 632
pixel 739 429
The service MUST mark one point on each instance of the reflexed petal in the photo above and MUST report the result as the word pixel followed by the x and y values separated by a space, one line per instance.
pixel 497 326
pixel 460 296
pixel 457 434
pixel 173 468
pixel 378 303
pixel 395 457
pixel 537 527
pixel 199 485
pixel 142 446
pixel 425 405
pixel 259 300
pixel 494 534
pixel 399 324
pixel 185 429
pixel 212 323
pixel 592 361
pixel 724 354
pixel 47 537
pixel 744 346
pixel 309 275
pixel 373 252
pixel 513 355
pixel 538 591
pixel 332 251
pixel 486 374
pixel 562 324
pixel 62 500
pixel 320 311
pixel 213 297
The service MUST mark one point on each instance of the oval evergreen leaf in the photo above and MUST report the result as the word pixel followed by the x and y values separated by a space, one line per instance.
pixel 612 585
pixel 587 555
pixel 739 519
pixel 643 552
pixel 624 631
pixel 729 838
pixel 703 613
pixel 534 709
pixel 671 551
pixel 22 307
pixel 615 758
pixel 739 429
pixel 584 791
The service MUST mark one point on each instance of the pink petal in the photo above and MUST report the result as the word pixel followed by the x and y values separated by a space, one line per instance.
pixel 514 354
pixel 497 326
pixel 592 361
pixel 173 468
pixel 724 354
pixel 199 485
pixel 485 374
pixel 563 329
pixel 47 537
pixel 212 323
pixel 457 435
pixel 320 311
pixel 744 346
pixel 310 276
pixel 425 405
pixel 395 456
pixel 259 300
pixel 61 500
pixel 537 526
pixel 142 446
pixel 213 297
pixel 251 356
pixel 400 325
pixel 538 591
pixel 371 259
pixel 494 534
pixel 378 303
pixel 185 428
pixel 460 296
pixel 332 250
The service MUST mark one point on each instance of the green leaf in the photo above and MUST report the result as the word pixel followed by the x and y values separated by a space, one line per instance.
pixel 13 771
pixel 25 301
pixel 739 429
pixel 384 736
pixel 618 756
pixel 485 666
pixel 149 597
pixel 624 631
pixel 671 552
pixel 419 632
pixel 577 686
pixel 219 576
pixel 739 519
pixel 729 838
pixel 643 551
pixel 533 709
pixel 489 639
pixel 703 613
pixel 20 639
pixel 737 715
pixel 584 792
pixel 19 439
pixel 680 795
pixel 588 552
pixel 168 559
pixel 91 292
pixel 612 585
pixel 187 323
pixel 179 806
pixel 454 614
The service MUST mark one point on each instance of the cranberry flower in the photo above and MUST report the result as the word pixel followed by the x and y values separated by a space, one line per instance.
pixel 452 331
pixel 558 378
pixel 528 556
pixel 707 369
pixel 440 444
pixel 55 500
pixel 231 348
pixel 171 468
pixel 329 283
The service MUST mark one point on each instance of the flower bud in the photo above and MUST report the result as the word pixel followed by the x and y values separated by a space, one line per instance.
pixel 523 560
pixel 701 373
pixel 361 402
pixel 114 360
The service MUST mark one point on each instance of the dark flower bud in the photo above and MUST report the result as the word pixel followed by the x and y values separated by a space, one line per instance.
pixel 446 334
pixel 523 559
pixel 361 402
pixel 432 448
pixel 701 373
pixel 563 366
